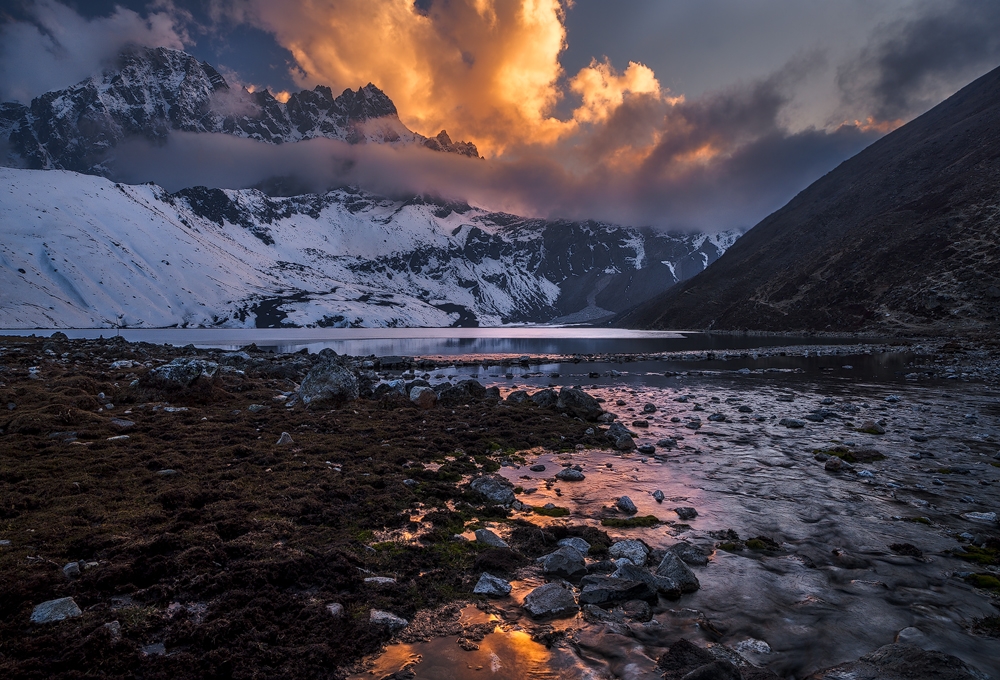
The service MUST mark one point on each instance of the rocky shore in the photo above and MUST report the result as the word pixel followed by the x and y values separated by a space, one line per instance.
pixel 176 512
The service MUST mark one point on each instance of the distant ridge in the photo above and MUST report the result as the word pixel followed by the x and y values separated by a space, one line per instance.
pixel 904 237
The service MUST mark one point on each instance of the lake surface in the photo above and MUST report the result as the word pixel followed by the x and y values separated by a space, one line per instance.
pixel 514 341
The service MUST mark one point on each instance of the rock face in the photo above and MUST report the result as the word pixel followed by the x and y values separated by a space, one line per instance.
pixel 494 488
pixel 553 600
pixel 901 662
pixel 328 382
pixel 55 610
pixel 893 238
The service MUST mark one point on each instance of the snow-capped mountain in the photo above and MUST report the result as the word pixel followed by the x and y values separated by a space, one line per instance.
pixel 152 92
pixel 81 251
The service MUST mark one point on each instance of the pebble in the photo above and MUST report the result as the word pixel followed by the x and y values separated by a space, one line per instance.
pixel 284 439
pixel 388 620
pixel 658 496
pixel 166 473
pixel 71 570
pixel 980 517
pixel 649 408
pixel 648 449
pixel 686 513
pixel 155 649
pixel 537 468
pixel 494 488
pixel 335 609
pixel 380 580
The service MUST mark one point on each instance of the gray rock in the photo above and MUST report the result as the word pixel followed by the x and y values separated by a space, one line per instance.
pixel 570 475
pixel 491 586
pixel 71 570
pixel 335 609
pixel 155 649
pixel 672 567
pixel 657 584
pixel 575 542
pixel 834 465
pixel 690 554
pixel 114 630
pixel 380 581
pixel 667 443
pixel 166 473
pixel 625 443
pixel 284 439
pixel 626 505
pixel 517 397
pixel 565 561
pixel 717 418
pixel 791 423
pixel 494 489
pixel 901 662
pixel 487 537
pixel 630 549
pixel 649 408
pixel 686 513
pixel 423 397
pixel 544 398
pixel 552 600
pixel 182 372
pixel 604 589
pixel 658 496
pixel 745 409
pixel 388 620
pixel 578 404
pixel 537 468
pixel 871 427
pixel 55 610
pixel 462 392
pixel 122 423
pixel 329 382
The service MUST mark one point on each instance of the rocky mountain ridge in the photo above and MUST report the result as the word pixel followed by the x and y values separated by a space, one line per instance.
pixel 82 251
pixel 152 92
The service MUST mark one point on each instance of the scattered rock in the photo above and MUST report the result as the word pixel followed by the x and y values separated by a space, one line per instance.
pixel 182 372
pixel 487 537
pixel 753 646
pixel 494 489
pixel 284 439
pixel 570 475
pixel 423 397
pixel 632 550
pixel 686 513
pixel 834 465
pixel 551 600
pixel 380 581
pixel 155 649
pixel 626 505
pixel 578 404
pixel 537 468
pixel 988 517
pixel 565 561
pixel 71 570
pixel 329 382
pixel 335 609
pixel 604 589
pixel 462 392
pixel 55 610
pixel 649 408
pixel 871 427
pixel 658 496
pixel 745 409
pixel 388 620
pixel 575 542
pixel 544 398
pixel 122 423
pixel 491 586
pixel 114 630
pixel 672 567
pixel 647 449
pixel 791 423
pixel 690 554
pixel 517 397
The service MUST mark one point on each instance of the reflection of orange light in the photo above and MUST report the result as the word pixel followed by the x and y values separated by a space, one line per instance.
pixel 872 125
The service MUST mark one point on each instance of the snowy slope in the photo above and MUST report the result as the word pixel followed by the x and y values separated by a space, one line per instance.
pixel 81 251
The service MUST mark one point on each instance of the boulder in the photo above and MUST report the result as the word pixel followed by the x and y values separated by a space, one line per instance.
pixel 686 513
pixel 55 610
pixel 689 554
pixel 632 550
pixel 604 589
pixel 578 404
pixel 544 398
pixel 565 561
pixel 570 475
pixel 626 505
pixel 487 537
pixel 423 397
pixel 328 382
pixel 183 372
pixel 517 397
pixel 491 586
pixel 624 569
pixel 552 600
pixel 388 620
pixel 462 392
pixel 672 567
pixel 901 662
pixel 494 489
pixel 575 542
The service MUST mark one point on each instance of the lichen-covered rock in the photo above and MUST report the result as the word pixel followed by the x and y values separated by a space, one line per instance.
pixel 182 371
pixel 328 382
pixel 632 550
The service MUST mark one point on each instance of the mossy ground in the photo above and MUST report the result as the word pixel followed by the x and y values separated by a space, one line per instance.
pixel 247 540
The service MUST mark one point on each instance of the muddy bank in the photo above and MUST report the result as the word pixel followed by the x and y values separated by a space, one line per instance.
pixel 220 552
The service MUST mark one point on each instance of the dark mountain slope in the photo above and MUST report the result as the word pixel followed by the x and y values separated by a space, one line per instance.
pixel 903 237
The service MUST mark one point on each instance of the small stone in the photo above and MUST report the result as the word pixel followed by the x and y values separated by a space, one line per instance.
pixel 630 549
pixel 871 427
pixel 256 408
pixel 648 449
pixel 686 513
pixel 494 488
pixel 71 570
pixel 411 482
pixel 492 586
pixel 114 630
pixel 155 649
pixel 55 610
pixel 753 646
pixel 570 475
pixel 668 443
pixel 649 408
pixel 575 542
pixel 834 465
pixel 989 517
pixel 745 409
pixel 549 601
pixel 604 589
pixel 284 439
pixel 690 554
pixel 626 505
pixel 166 473
pixel 717 418
pixel 335 609
pixel 122 423
pixel 388 620
pixel 791 423
pixel 380 581
pixel 658 496
pixel 423 397
pixel 565 561
pixel 537 468
pixel 672 567
pixel 487 537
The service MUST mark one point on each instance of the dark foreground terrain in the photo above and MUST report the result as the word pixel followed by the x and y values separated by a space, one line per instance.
pixel 217 526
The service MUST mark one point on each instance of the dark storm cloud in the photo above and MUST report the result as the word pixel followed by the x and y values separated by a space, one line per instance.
pixel 910 65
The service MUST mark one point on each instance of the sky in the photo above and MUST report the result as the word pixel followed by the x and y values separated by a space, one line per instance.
pixel 680 114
